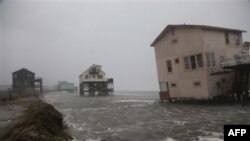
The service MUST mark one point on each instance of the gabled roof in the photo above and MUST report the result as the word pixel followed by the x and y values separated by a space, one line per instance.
pixel 168 27
pixel 94 65
pixel 23 69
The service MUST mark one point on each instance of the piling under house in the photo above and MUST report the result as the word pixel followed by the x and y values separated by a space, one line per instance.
pixel 189 58
pixel 240 67
pixel 94 82
pixel 24 79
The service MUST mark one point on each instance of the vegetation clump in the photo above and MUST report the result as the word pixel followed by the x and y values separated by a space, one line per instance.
pixel 40 122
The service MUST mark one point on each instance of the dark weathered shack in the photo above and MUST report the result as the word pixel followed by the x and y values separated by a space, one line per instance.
pixel 23 79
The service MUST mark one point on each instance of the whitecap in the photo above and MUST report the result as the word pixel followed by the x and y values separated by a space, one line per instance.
pixel 169 139
pixel 131 100
pixel 208 138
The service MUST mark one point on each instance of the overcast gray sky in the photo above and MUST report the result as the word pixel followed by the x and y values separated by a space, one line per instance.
pixel 59 39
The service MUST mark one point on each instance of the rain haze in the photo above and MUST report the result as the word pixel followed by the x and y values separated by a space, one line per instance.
pixel 58 40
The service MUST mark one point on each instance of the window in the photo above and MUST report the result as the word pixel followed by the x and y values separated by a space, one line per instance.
pixel 15 76
pixel 163 86
pixel 226 38
pixel 210 59
pixel 86 77
pixel 29 75
pixel 25 83
pixel 237 38
pixel 99 76
pixel 173 85
pixel 223 80
pixel 93 76
pixel 197 83
pixel 176 61
pixel 174 41
pixel 169 66
pixel 186 63
pixel 193 62
pixel 199 60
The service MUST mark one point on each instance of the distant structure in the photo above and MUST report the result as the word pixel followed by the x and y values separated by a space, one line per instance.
pixel 93 81
pixel 66 86
pixel 189 61
pixel 24 79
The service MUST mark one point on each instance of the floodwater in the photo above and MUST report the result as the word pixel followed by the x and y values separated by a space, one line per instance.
pixel 139 116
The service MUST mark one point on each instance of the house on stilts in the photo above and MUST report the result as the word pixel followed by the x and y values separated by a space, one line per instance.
pixel 25 80
pixel 202 62
pixel 94 82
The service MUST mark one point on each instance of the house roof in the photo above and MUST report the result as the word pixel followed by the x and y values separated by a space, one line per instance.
pixel 23 69
pixel 94 65
pixel 168 27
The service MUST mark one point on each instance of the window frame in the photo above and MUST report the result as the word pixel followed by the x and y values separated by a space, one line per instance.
pixel 226 34
pixel 199 64
pixel 86 76
pixel 210 61
pixel 237 38
pixel 193 63
pixel 169 66
pixel 99 76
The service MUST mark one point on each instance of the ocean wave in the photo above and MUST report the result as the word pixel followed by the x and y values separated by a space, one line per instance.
pixel 92 109
pixel 208 138
pixel 169 139
pixel 131 100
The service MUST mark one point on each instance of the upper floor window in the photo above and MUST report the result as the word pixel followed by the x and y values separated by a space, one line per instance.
pixel 210 57
pixel 100 76
pixel 186 63
pixel 169 66
pixel 193 62
pixel 174 40
pixel 237 38
pixel 199 60
pixel 15 76
pixel 25 83
pixel 17 83
pixel 86 77
pixel 176 61
pixel 226 38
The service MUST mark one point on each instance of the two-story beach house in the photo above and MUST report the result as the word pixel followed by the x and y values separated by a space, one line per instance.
pixel 93 81
pixel 188 56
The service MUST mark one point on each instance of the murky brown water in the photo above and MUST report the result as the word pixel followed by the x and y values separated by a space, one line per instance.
pixel 139 116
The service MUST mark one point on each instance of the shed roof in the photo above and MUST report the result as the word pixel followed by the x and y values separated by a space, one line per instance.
pixel 23 69
pixel 168 27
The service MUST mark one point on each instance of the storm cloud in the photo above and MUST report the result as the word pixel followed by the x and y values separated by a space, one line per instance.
pixel 58 40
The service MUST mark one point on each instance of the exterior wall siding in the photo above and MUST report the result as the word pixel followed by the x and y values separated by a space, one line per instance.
pixel 180 42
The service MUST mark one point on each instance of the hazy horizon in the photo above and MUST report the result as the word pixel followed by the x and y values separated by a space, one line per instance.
pixel 58 40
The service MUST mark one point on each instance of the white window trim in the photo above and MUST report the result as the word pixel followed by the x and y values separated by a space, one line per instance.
pixel 196 62
pixel 210 60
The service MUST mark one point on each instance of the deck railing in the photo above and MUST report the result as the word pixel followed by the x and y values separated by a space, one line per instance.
pixel 237 60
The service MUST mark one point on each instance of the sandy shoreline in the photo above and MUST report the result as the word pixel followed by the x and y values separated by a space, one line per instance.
pixel 10 110
pixel 30 118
